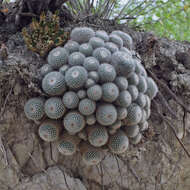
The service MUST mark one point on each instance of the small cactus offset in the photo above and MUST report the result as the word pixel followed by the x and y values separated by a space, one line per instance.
pixel 68 144
pixel 99 90
pixel 49 130
pixel 97 135
pixel 90 155
pixel 118 142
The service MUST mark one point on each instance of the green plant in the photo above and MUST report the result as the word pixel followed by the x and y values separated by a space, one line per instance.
pixel 43 35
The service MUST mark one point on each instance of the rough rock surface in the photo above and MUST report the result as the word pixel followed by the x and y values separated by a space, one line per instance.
pixel 159 162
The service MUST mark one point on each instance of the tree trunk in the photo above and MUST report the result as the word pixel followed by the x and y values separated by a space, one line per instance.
pixel 159 162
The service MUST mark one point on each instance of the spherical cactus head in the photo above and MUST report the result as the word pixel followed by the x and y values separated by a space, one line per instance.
pixel 127 40
pixel 106 114
pixel 148 102
pixel 106 72
pixel 96 42
pixel 134 115
pixel 91 119
pixel 74 122
pixel 142 85
pixel 54 83
pixel 76 77
pixel 136 140
pixel 67 145
pixel 152 88
pixel 86 49
pixel 91 64
pixel 54 108
pixel 124 99
pixel 45 69
pixel 97 135
pixel 93 75
pixel 121 83
pixel 118 142
pixel 111 47
pixel 116 125
pixel 143 126
pixel 34 108
pixel 76 58
pixel 133 79
pixel 110 92
pixel 82 34
pixel 139 68
pixel 131 131
pixel 63 69
pixel 121 113
pixel 95 92
pixel 102 34
pixel 141 100
pixel 132 89
pixel 127 51
pixel 116 39
pixel 70 100
pixel 49 130
pixel 123 63
pixel 81 94
pixel 57 57
pixel 71 46
pixel 102 54
pixel 89 83
pixel 87 106
pixel 144 116
pixel 90 155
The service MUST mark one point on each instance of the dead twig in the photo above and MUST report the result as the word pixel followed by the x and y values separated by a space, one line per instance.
pixel 66 181
pixel 5 102
pixel 2 149
pixel 184 123
pixel 133 172
pixel 172 128
pixel 165 87
pixel 119 169
pixel 165 104
pixel 102 176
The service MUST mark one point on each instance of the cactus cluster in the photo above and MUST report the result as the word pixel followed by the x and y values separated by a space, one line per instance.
pixel 98 90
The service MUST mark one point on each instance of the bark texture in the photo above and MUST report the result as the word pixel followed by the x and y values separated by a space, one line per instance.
pixel 159 162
